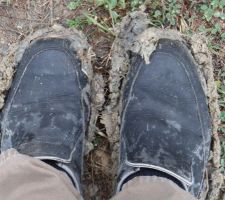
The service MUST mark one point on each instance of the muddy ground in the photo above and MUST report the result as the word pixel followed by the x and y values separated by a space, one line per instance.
pixel 23 17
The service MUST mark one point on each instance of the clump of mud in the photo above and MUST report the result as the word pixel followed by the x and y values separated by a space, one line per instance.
pixel 134 35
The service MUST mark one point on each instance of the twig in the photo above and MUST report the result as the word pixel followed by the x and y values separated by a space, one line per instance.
pixel 110 55
pixel 51 12
pixel 92 170
pixel 20 18
pixel 11 30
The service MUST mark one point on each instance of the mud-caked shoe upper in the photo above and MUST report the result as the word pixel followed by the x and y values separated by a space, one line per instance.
pixel 165 121
pixel 45 113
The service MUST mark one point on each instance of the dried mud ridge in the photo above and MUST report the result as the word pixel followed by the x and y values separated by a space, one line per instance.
pixel 133 35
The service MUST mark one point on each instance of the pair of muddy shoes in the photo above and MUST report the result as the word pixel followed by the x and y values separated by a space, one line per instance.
pixel 165 123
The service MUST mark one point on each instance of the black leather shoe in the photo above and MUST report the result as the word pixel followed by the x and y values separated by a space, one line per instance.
pixel 165 123
pixel 45 115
